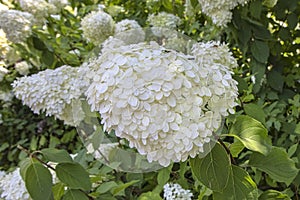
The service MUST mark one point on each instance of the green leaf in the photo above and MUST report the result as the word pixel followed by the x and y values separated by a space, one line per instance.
pixel 270 3
pixel 150 196
pixel 58 190
pixel 292 20
pixel 74 194
pixel 118 189
pixel 24 164
pixel 56 155
pixel 47 58
pixel 38 43
pixel 107 186
pixel 38 181
pixel 236 148
pixel 260 51
pixel 213 170
pixel 277 164
pixel 251 133
pixel 163 176
pixel 274 195
pixel 255 9
pixel 73 175
pixel 255 111
pixel 276 80
pixel 240 186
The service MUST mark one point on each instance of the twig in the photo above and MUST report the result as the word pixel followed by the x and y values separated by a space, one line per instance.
pixel 228 151
pixel 32 155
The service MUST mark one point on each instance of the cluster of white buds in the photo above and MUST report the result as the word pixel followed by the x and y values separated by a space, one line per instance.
pixel 173 191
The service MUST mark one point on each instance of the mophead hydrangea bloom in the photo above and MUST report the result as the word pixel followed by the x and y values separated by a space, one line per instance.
pixel 12 187
pixel 165 103
pixel 38 8
pixel 4 44
pixel 23 67
pixel 16 25
pixel 220 11
pixel 163 24
pixel 56 92
pixel 129 31
pixel 97 26
pixel 173 191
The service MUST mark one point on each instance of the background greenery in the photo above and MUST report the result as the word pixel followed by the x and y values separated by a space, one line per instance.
pixel 262 137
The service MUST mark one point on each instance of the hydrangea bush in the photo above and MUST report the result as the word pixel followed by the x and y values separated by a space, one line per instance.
pixel 201 95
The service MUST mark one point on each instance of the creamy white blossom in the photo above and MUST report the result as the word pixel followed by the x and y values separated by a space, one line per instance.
pixel 129 31
pixel 4 44
pixel 6 96
pixel 16 25
pixel 22 67
pixel 220 10
pixel 56 92
pixel 164 24
pixel 59 4
pixel 165 103
pixel 173 191
pixel 97 26
pixel 12 187
pixel 3 71
pixel 38 8
pixel 165 20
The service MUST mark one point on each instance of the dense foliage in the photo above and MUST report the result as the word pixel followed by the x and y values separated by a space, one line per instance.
pixel 258 153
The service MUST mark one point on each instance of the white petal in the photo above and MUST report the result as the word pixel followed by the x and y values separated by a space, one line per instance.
pixel 171 101
pixel 101 88
pixel 133 101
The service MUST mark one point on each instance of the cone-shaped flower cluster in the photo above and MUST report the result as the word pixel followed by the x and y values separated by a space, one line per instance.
pixel 56 92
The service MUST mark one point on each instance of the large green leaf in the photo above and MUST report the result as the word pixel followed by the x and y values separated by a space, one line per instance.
pixel 255 111
pixel 56 155
pixel 120 188
pixel 58 190
pixel 260 51
pixel 240 186
pixel 38 181
pixel 252 134
pixel 277 164
pixel 74 194
pixel 212 170
pixel 274 195
pixel 149 196
pixel 73 175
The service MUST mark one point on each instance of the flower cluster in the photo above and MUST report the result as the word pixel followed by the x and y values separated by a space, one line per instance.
pixel 164 24
pixel 38 8
pixel 59 4
pixel 129 31
pixel 4 44
pixel 57 92
pixel 16 25
pixel 22 67
pixel 165 20
pixel 165 103
pixel 97 26
pixel 12 187
pixel 220 11
pixel 173 191
pixel 3 71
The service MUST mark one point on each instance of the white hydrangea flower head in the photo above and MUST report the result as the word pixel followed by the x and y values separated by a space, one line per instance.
pixel 97 26
pixel 4 44
pixel 16 25
pixel 59 4
pixel 220 10
pixel 13 187
pixel 56 92
pixel 173 191
pixel 23 67
pixel 129 31
pixel 165 20
pixel 6 96
pixel 3 71
pixel 160 100
pixel 38 8
pixel 163 24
